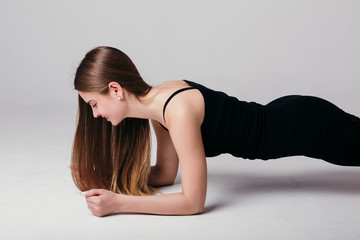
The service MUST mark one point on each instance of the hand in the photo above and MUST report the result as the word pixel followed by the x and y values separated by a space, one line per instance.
pixel 101 202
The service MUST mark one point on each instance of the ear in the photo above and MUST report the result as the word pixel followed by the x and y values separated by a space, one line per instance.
pixel 116 90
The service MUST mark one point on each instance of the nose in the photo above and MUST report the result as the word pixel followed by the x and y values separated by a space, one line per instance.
pixel 95 113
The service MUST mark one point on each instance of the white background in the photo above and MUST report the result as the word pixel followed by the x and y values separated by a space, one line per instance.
pixel 256 50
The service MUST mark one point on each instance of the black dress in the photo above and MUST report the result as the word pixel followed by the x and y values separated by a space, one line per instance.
pixel 288 126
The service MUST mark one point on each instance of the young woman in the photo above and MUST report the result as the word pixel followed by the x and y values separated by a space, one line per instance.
pixel 112 161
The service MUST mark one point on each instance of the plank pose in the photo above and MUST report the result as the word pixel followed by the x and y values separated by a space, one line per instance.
pixel 191 122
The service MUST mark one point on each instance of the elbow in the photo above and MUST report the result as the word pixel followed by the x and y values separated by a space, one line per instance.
pixel 158 178
pixel 199 210
pixel 163 183
pixel 169 182
pixel 195 203
pixel 196 208
pixel 201 207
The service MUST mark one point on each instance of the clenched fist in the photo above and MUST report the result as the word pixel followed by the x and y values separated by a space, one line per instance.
pixel 102 202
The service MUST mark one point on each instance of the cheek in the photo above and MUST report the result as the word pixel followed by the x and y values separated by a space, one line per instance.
pixel 108 107
pixel 118 114
pixel 112 110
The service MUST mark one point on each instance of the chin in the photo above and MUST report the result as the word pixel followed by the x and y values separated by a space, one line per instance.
pixel 115 123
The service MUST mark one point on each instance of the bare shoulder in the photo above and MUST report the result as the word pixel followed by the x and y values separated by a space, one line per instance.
pixel 190 102
pixel 188 105
pixel 164 90
pixel 172 84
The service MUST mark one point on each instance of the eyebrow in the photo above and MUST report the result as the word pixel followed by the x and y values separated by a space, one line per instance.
pixel 88 102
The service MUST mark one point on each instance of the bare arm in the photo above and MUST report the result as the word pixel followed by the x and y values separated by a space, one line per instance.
pixel 188 143
pixel 167 161
pixel 193 175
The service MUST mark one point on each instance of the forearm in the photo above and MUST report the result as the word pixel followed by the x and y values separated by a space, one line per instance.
pixel 167 204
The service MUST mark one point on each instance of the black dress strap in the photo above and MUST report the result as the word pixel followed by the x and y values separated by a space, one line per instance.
pixel 168 100
pixel 163 127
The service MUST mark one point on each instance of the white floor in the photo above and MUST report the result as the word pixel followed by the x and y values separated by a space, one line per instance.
pixel 292 198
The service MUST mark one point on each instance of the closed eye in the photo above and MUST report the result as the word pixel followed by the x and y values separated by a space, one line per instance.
pixel 94 105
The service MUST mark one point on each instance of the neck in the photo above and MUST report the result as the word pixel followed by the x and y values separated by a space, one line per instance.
pixel 145 107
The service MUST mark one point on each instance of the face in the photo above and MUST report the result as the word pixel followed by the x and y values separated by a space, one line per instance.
pixel 107 106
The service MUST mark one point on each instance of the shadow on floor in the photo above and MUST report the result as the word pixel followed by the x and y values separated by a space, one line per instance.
pixel 239 186
pixel 341 181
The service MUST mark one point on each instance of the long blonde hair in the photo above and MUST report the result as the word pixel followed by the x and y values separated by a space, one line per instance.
pixel 116 158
